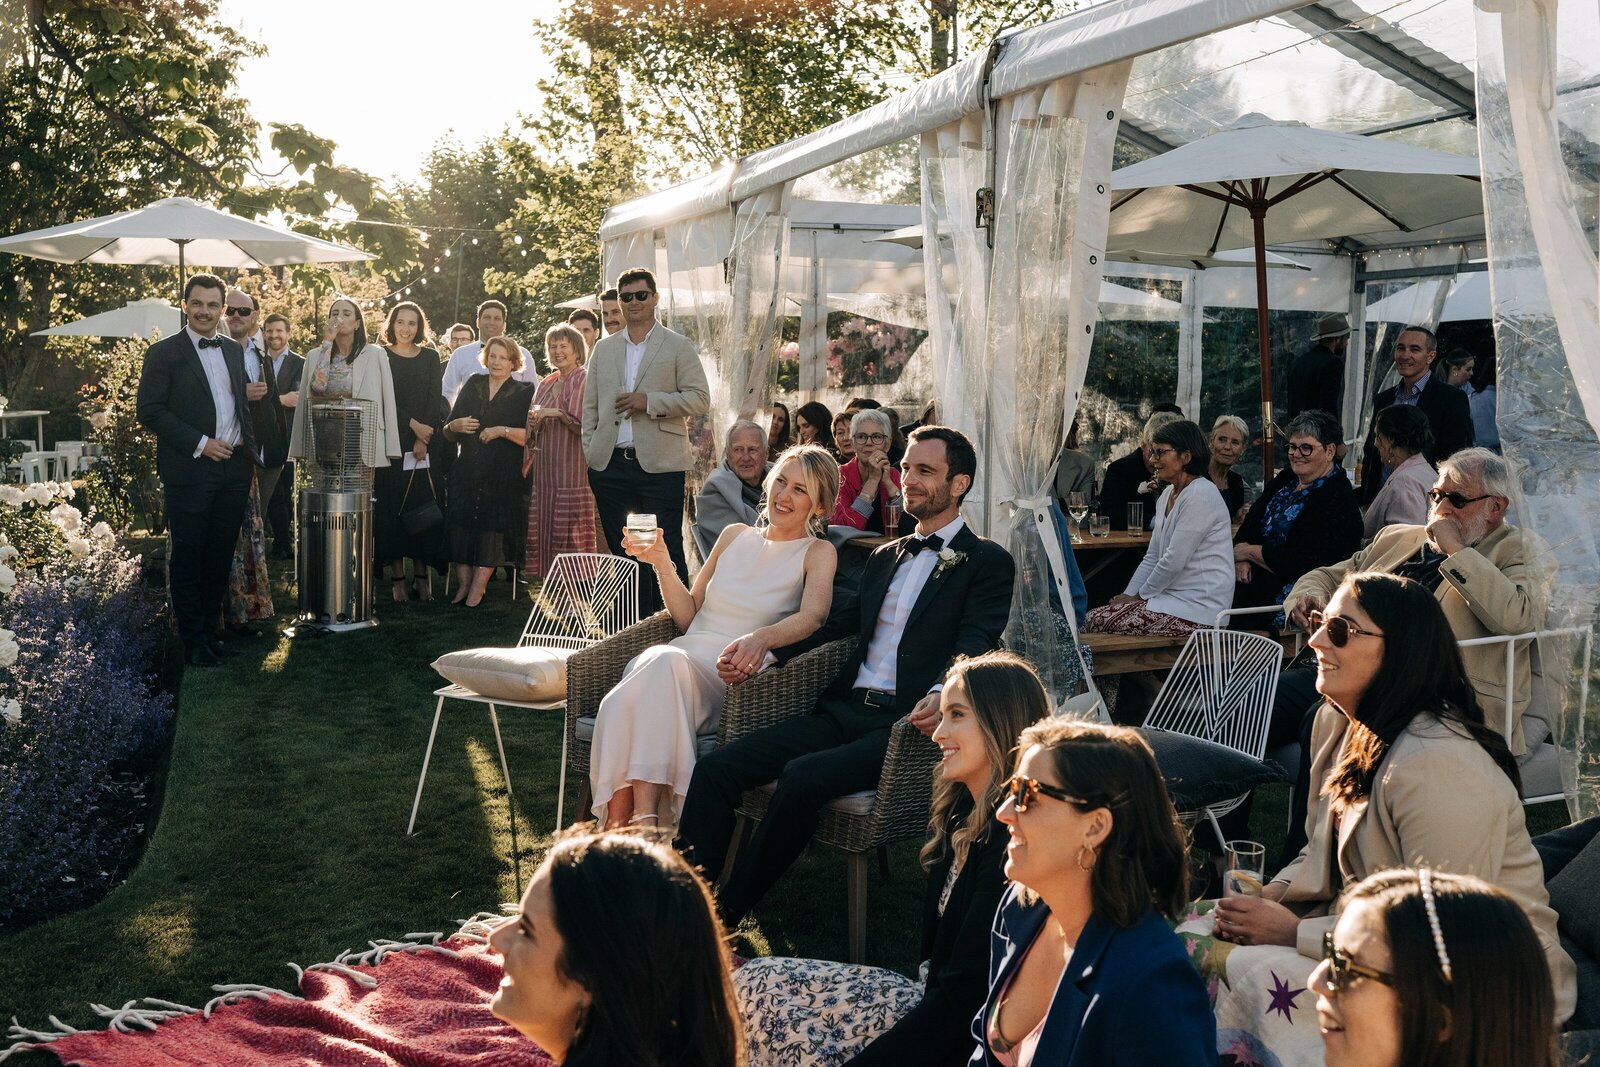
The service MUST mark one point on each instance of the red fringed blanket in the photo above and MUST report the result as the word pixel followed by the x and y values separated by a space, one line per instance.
pixel 423 1002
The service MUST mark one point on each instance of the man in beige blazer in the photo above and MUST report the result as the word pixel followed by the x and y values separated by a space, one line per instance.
pixel 1490 577
pixel 644 385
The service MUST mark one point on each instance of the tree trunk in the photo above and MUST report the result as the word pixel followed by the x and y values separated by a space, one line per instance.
pixel 942 43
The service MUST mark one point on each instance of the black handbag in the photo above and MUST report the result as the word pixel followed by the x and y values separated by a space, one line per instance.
pixel 425 517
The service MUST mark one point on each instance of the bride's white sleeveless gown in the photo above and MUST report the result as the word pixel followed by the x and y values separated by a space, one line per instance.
pixel 646 726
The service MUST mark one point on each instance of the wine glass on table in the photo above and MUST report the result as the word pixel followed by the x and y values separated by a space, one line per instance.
pixel 1078 508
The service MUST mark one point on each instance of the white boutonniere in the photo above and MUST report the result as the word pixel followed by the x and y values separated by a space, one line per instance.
pixel 948 557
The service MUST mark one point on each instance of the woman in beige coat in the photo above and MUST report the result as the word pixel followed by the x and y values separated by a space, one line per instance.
pixel 345 366
pixel 1407 775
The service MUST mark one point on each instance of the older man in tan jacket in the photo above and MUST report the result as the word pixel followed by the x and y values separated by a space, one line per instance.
pixel 1490 577
pixel 644 385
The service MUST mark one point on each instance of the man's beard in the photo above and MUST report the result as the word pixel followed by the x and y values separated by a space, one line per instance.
pixel 934 503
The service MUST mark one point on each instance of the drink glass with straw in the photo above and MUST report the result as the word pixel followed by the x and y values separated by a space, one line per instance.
pixel 1245 871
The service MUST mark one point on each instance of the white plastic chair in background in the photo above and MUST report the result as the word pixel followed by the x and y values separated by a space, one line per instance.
pixel 76 454
pixel 1221 690
pixel 1540 766
pixel 585 599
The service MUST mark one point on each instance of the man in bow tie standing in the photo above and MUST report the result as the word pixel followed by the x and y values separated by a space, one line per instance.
pixel 192 397
pixel 925 599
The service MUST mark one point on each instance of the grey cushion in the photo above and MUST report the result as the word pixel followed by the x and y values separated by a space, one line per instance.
pixel 1575 896
pixel 1200 772
pixel 704 744
pixel 1540 769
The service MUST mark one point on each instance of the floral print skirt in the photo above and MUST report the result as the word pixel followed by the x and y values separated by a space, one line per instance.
pixel 817 1013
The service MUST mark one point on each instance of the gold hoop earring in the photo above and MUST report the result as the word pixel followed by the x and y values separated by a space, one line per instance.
pixel 1093 856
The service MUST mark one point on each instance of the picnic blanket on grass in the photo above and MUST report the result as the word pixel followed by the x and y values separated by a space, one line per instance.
pixel 419 1002
pixel 1266 1017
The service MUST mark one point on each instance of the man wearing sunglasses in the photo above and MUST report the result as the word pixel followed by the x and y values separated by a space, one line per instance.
pixel 271 421
pixel 1449 414
pixel 1490 577
pixel 645 385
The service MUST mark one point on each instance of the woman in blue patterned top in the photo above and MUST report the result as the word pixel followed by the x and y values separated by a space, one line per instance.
pixel 1307 517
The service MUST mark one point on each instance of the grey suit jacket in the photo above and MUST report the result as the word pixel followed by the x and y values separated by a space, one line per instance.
pixel 720 503
pixel 670 374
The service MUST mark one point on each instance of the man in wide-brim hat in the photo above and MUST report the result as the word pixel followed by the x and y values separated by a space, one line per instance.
pixel 1316 379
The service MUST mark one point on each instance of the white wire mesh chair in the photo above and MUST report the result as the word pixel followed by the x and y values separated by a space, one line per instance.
pixel 585 599
pixel 1221 690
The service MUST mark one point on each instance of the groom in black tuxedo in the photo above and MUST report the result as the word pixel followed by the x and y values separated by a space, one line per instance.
pixel 925 599
pixel 192 397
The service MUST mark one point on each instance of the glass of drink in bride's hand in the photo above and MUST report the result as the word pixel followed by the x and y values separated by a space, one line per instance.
pixel 642 528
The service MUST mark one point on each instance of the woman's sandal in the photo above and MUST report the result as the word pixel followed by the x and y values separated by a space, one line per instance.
pixel 398 590
pixel 420 590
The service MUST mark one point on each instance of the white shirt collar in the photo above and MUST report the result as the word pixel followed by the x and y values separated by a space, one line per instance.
pixel 626 336
pixel 948 531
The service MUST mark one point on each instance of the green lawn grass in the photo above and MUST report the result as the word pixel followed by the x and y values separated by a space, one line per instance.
pixel 282 835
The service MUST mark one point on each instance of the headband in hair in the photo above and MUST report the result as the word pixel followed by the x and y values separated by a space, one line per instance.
pixel 1425 877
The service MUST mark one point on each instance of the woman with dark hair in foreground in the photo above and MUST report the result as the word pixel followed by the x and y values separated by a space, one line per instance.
pixel 1404 773
pixel 1085 970
pixel 1429 969
pixel 617 958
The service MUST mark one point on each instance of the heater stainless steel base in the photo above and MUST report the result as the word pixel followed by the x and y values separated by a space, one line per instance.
pixel 335 560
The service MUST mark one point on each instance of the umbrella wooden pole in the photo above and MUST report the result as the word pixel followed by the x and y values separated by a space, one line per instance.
pixel 1258 218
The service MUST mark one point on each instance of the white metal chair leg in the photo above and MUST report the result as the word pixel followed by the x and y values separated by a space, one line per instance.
pixel 426 756
pixel 495 718
pixel 1216 827
pixel 561 790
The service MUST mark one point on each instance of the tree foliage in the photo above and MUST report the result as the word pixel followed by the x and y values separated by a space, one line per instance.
pixel 107 105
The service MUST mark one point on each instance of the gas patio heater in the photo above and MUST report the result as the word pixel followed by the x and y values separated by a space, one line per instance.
pixel 334 563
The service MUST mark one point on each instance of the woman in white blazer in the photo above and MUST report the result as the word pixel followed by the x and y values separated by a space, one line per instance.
pixel 331 372
pixel 1187 574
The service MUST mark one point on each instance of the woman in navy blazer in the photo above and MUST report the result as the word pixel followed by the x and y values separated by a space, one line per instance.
pixel 1084 969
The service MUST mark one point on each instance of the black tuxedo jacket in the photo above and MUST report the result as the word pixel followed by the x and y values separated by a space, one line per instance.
pixel 1449 416
pixel 175 404
pixel 269 418
pixel 960 612
pixel 294 364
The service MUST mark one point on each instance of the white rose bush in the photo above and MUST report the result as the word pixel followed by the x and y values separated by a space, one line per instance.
pixel 83 712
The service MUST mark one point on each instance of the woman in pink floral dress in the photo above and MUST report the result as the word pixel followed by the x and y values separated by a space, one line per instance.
pixel 561 515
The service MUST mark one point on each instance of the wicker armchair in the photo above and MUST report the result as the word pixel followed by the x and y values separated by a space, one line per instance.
pixel 863 822
pixel 769 697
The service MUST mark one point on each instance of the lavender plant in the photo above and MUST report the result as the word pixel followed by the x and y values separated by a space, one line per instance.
pixel 79 707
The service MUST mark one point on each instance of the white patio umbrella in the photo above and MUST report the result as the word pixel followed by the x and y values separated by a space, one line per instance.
pixel 1263 183
pixel 141 318
pixel 172 230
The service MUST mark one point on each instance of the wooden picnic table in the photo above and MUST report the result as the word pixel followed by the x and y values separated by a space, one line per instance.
pixel 1126 654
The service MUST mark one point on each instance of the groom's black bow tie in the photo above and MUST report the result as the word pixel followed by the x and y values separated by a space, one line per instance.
pixel 210 342
pixel 913 545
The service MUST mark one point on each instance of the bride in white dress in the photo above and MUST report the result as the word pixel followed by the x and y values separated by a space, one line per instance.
pixel 763 587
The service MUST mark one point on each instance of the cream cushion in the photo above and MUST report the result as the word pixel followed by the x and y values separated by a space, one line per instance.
pixel 530 675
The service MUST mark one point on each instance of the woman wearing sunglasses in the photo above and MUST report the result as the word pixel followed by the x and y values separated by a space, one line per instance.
pixel 1404 772
pixel 814 1012
pixel 1306 517
pixel 1425 968
pixel 1085 968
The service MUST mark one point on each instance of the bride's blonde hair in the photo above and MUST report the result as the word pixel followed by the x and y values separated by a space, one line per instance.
pixel 821 473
